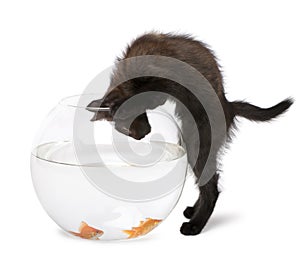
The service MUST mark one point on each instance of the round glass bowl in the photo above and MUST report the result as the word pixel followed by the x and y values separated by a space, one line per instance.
pixel 97 183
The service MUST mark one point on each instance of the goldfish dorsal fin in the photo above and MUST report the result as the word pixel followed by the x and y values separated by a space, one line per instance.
pixel 82 225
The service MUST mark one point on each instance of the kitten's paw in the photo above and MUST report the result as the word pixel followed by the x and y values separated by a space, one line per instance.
pixel 190 229
pixel 189 212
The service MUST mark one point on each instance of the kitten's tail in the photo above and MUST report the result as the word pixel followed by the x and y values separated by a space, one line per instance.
pixel 255 113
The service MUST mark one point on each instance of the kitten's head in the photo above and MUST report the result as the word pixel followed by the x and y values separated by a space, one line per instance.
pixel 129 118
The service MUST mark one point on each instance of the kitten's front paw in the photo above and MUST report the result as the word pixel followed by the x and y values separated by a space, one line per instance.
pixel 190 229
pixel 189 212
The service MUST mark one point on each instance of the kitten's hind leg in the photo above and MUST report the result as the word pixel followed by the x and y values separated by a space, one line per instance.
pixel 204 208
pixel 190 210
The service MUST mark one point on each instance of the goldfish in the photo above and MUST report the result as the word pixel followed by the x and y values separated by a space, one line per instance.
pixel 143 228
pixel 87 232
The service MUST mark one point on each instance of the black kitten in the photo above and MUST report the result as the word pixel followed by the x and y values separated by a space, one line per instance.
pixel 196 54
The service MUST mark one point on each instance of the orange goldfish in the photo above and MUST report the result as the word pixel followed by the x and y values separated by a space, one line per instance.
pixel 87 232
pixel 144 228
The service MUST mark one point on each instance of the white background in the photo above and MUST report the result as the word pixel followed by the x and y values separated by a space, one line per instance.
pixel 51 49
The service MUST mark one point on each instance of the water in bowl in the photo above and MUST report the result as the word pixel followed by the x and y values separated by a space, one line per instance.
pixel 77 198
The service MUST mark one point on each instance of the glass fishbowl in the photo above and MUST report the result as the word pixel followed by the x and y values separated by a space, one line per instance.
pixel 97 183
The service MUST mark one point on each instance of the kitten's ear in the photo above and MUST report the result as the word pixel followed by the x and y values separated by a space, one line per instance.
pixel 100 112
pixel 109 98
pixel 94 105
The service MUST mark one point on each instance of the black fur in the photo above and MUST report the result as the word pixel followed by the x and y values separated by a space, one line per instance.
pixel 198 55
pixel 255 113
